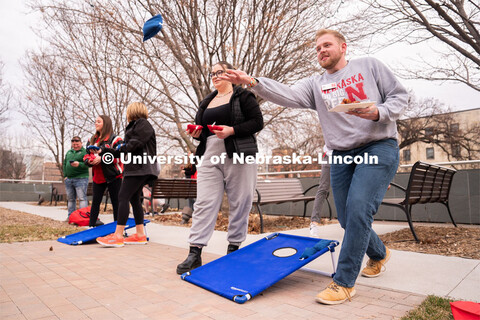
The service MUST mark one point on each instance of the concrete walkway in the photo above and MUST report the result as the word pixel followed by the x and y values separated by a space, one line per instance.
pixel 139 282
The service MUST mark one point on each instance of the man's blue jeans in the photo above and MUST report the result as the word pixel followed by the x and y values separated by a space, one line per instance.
pixel 358 190
pixel 76 188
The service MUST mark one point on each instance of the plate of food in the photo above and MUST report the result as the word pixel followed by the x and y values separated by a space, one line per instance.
pixel 348 105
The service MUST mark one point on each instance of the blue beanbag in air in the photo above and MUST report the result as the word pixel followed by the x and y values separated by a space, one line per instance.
pixel 152 27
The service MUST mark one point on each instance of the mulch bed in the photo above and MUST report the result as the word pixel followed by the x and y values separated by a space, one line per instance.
pixel 448 241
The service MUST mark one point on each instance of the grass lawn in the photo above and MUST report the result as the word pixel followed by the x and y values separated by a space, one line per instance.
pixel 432 307
pixel 17 226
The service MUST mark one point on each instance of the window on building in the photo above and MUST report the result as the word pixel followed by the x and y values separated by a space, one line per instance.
pixel 456 150
pixel 455 127
pixel 428 131
pixel 430 153
pixel 406 155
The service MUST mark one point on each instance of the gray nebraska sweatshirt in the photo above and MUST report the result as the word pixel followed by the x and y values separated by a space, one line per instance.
pixel 361 79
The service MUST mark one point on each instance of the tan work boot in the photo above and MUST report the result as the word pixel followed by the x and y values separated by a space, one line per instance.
pixel 335 294
pixel 375 268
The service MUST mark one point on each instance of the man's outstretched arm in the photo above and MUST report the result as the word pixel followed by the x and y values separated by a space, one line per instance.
pixel 299 95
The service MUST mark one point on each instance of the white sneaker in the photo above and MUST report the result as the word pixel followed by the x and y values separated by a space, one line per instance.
pixel 314 229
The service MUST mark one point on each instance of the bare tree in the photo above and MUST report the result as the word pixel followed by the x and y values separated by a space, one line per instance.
pixel 293 132
pixel 271 38
pixel 451 27
pixel 304 136
pixel 73 81
pixel 48 108
pixel 11 165
pixel 101 70
pixel 5 96
pixel 20 158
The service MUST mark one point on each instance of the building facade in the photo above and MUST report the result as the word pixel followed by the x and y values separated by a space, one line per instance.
pixel 445 137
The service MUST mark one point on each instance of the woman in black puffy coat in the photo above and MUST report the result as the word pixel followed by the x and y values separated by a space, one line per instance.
pixel 139 141
pixel 237 118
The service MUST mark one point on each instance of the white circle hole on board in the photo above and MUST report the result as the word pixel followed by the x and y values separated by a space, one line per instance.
pixel 284 252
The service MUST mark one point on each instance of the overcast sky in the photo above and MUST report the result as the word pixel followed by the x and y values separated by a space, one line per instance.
pixel 16 37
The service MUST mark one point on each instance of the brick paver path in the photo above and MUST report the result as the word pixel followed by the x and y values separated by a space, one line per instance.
pixel 139 282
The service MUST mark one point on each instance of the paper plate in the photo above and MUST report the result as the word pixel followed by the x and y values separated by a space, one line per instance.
pixel 350 106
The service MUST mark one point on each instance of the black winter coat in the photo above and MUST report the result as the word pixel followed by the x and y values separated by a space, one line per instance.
pixel 251 112
pixel 140 140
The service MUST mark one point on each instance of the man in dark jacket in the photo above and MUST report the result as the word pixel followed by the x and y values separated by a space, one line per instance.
pixel 75 172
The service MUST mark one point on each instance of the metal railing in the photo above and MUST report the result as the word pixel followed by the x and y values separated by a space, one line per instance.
pixel 30 181
pixel 450 163
pixel 299 172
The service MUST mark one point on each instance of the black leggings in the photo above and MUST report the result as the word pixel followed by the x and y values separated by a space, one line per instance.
pixel 98 191
pixel 131 191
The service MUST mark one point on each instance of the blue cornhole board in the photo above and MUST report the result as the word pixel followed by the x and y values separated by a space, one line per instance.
pixel 243 274
pixel 92 234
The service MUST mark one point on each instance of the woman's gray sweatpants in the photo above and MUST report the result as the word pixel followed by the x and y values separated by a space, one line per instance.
pixel 237 180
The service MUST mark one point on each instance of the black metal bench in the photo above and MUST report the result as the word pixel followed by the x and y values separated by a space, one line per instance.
pixel 164 188
pixel 276 191
pixel 58 192
pixel 428 183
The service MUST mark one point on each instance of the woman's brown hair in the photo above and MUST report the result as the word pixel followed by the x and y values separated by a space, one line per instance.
pixel 225 65
pixel 106 131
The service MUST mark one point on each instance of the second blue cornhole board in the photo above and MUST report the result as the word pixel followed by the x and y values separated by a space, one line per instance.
pixel 245 273
pixel 93 233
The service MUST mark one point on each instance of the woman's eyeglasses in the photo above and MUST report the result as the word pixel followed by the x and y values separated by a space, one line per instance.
pixel 216 74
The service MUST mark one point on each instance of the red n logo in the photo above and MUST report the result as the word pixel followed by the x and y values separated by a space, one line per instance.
pixel 360 94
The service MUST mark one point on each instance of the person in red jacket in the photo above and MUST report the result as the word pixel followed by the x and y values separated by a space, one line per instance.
pixel 105 175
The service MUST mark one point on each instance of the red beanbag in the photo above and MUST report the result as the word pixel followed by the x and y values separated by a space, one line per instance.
pixel 80 217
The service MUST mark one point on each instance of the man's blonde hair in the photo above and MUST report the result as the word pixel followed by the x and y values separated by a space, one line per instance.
pixel 136 110
pixel 335 33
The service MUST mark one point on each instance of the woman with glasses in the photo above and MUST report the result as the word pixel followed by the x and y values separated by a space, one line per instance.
pixel 105 174
pixel 237 117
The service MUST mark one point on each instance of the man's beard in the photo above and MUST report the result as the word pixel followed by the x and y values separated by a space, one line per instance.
pixel 331 61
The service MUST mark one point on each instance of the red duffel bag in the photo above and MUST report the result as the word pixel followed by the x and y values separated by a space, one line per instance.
pixel 80 217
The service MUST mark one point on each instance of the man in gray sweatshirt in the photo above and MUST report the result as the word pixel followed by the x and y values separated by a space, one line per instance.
pixel 358 187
